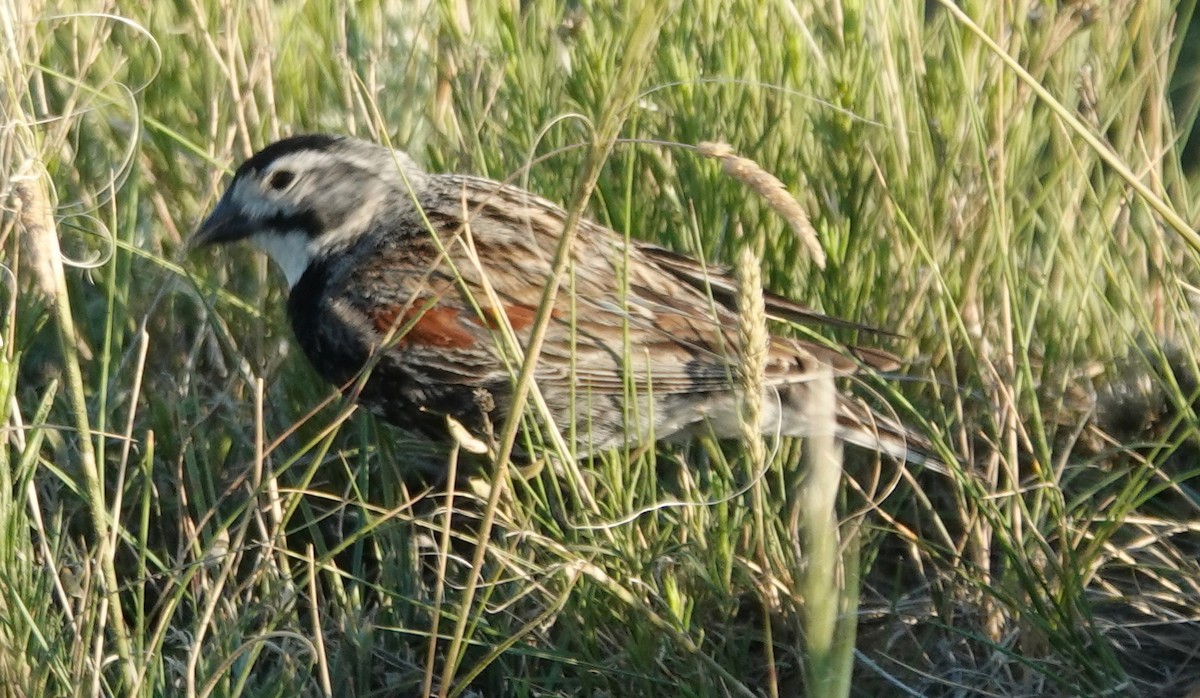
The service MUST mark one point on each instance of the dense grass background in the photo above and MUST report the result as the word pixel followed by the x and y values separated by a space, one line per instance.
pixel 186 509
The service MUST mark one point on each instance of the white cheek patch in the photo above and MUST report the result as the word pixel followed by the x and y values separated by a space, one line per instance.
pixel 290 252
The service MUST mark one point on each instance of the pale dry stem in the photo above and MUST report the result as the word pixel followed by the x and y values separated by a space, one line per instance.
pixel 773 191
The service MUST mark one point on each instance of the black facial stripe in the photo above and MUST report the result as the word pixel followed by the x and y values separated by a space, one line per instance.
pixel 287 146
pixel 304 221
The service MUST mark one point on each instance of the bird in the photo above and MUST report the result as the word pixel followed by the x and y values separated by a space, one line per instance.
pixel 401 282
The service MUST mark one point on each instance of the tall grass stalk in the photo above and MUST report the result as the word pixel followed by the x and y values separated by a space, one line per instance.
pixel 36 218
pixel 829 613
pixel 643 33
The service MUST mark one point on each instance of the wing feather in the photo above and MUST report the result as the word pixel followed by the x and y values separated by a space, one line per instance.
pixel 681 340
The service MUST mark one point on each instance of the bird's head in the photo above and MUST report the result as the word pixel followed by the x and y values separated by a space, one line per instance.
pixel 302 197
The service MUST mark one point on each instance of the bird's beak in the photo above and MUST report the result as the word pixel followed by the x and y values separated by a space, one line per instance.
pixel 224 224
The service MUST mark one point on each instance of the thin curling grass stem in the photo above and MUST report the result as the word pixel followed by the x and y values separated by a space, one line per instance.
pixel 641 40
pixel 38 222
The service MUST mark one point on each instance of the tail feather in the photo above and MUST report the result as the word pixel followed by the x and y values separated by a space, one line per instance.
pixel 859 424
pixel 789 411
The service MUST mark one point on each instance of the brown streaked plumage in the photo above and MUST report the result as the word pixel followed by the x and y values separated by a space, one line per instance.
pixel 377 255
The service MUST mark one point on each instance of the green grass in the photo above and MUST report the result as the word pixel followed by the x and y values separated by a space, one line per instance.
pixel 186 509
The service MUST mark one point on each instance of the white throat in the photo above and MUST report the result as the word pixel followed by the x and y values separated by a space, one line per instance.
pixel 290 252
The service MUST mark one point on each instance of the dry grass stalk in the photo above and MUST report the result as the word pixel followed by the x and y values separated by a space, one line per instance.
pixel 36 217
pixel 829 636
pixel 773 191
pixel 754 344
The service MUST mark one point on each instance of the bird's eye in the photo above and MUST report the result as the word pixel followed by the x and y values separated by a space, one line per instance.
pixel 280 179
